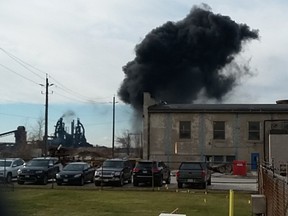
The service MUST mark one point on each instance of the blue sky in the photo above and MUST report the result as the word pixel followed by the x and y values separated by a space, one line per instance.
pixel 83 45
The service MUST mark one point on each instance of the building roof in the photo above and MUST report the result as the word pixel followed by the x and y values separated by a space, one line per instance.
pixel 215 108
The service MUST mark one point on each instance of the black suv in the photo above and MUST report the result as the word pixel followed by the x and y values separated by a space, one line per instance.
pixel 154 172
pixel 39 170
pixel 114 171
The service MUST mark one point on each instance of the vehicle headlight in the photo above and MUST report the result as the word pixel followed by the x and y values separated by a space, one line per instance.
pixel 39 171
pixel 19 171
pixel 117 173
pixel 77 176
pixel 58 175
pixel 98 173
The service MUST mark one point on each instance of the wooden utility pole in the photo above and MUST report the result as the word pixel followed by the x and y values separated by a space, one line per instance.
pixel 113 127
pixel 47 85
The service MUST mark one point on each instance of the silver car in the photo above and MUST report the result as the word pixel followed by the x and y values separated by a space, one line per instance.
pixel 9 168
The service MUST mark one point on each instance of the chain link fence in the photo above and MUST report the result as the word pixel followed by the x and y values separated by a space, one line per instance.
pixel 275 189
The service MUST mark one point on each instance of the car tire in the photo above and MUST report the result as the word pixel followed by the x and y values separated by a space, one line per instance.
pixel 159 183
pixel 129 180
pixel 92 180
pixel 81 183
pixel 45 180
pixel 204 185
pixel 168 180
pixel 209 181
pixel 97 183
pixel 20 182
pixel 180 185
pixel 121 182
pixel 59 183
pixel 9 178
pixel 135 183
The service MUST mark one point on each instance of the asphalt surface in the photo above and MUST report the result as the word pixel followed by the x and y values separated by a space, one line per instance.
pixel 220 182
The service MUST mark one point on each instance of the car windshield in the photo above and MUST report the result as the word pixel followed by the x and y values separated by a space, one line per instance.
pixel 146 165
pixel 38 163
pixel 194 166
pixel 113 164
pixel 4 163
pixel 73 167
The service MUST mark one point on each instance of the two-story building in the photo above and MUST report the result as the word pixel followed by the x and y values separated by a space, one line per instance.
pixel 211 132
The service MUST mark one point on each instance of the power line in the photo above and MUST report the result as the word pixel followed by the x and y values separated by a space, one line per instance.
pixel 69 97
pixel 83 99
pixel 9 69
pixel 22 63
pixel 72 92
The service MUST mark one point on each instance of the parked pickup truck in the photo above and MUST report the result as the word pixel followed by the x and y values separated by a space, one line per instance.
pixel 193 173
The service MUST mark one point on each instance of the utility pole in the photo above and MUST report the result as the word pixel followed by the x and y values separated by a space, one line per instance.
pixel 47 85
pixel 113 127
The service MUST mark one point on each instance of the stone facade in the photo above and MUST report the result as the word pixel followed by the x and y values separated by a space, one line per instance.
pixel 241 140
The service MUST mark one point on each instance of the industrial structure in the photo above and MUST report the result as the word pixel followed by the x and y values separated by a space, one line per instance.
pixel 217 133
pixel 75 139
pixel 20 135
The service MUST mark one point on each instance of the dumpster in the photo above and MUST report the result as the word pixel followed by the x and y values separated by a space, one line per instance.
pixel 239 167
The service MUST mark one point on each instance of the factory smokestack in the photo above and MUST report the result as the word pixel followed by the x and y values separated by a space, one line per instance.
pixel 179 60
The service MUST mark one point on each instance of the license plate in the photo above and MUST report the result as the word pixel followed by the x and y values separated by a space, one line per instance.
pixel 190 180
pixel 105 180
pixel 144 171
pixel 65 180
pixel 27 176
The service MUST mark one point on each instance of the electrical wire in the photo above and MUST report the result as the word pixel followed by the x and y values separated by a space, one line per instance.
pixel 9 69
pixel 22 63
pixel 60 85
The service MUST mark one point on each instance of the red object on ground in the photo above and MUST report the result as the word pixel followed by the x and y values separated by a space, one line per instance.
pixel 239 167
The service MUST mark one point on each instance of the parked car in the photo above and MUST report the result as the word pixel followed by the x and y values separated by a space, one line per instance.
pixel 114 171
pixel 76 173
pixel 9 168
pixel 39 170
pixel 193 173
pixel 146 171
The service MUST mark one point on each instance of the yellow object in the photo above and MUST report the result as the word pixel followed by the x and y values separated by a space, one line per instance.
pixel 231 203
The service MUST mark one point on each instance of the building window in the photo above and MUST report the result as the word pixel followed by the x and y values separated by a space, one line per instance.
pixel 219 130
pixel 185 130
pixel 253 130
pixel 230 159
pixel 218 159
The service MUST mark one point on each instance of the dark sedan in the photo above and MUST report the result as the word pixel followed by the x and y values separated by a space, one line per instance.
pixel 76 173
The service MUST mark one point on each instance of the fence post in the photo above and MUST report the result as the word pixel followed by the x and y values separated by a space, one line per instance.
pixel 231 202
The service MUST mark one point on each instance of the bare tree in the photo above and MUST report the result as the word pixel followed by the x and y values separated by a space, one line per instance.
pixel 37 131
pixel 124 141
pixel 131 142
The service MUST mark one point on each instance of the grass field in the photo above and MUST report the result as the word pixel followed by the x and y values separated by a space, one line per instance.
pixel 75 202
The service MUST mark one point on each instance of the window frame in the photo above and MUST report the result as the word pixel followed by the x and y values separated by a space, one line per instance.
pixel 256 136
pixel 219 134
pixel 184 133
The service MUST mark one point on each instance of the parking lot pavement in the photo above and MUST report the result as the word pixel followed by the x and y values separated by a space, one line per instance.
pixel 219 182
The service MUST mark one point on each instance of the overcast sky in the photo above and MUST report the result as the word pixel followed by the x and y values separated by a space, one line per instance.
pixel 83 44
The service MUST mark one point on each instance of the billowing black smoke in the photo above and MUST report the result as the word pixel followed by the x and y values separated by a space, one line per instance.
pixel 178 60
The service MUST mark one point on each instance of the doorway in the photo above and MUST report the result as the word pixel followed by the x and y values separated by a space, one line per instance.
pixel 254 160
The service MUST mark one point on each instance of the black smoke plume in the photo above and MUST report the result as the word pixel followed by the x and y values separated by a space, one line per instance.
pixel 178 60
